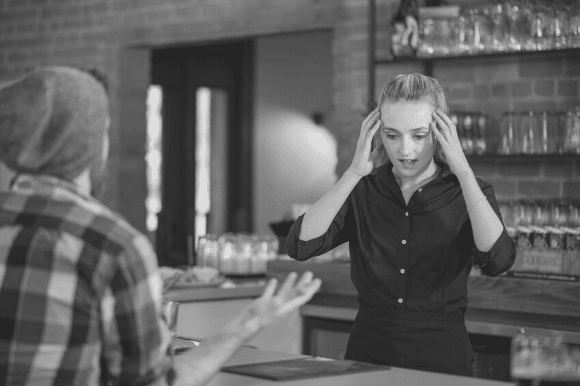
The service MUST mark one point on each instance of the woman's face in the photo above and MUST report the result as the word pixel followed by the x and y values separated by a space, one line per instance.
pixel 407 137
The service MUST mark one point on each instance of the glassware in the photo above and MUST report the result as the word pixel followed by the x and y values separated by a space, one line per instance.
pixel 507 131
pixel 208 251
pixel 468 130
pixel 260 255
pixel 464 33
pixel 542 358
pixel 541 214
pixel 513 25
pixel 572 131
pixel 559 212
pixel 170 312
pixel 480 130
pixel 560 28
pixel 529 133
pixel 573 30
pixel 573 220
pixel 499 30
pixel 426 32
pixel 543 131
pixel 482 29
pixel 228 254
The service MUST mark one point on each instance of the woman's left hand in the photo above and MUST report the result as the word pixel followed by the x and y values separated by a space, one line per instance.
pixel 447 136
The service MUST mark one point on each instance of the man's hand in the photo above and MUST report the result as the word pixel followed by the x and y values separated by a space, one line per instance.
pixel 270 306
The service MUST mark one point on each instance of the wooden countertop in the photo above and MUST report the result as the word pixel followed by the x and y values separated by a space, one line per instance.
pixel 499 300
pixel 235 289
pixel 394 376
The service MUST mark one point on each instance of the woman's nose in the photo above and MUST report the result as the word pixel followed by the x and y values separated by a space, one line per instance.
pixel 406 146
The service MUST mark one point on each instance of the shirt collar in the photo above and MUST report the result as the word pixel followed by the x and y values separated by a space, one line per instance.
pixel 49 185
pixel 386 170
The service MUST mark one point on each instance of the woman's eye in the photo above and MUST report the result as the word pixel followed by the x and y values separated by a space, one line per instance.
pixel 420 136
pixel 391 136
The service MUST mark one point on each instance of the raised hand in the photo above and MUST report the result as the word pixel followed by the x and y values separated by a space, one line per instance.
pixel 363 160
pixel 449 140
pixel 270 306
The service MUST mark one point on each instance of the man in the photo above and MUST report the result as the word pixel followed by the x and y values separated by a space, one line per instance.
pixel 80 291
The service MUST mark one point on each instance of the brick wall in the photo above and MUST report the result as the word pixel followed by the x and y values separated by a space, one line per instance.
pixel 117 36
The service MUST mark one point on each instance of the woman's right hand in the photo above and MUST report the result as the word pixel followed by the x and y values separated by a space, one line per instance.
pixel 363 161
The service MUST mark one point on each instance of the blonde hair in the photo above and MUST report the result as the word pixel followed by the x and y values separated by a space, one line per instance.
pixel 411 88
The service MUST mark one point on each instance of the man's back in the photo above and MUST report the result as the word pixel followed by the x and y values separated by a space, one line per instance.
pixel 74 278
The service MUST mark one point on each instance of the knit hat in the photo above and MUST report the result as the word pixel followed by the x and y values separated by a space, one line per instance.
pixel 53 121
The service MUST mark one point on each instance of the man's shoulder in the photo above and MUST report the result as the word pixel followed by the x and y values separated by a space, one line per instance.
pixel 89 220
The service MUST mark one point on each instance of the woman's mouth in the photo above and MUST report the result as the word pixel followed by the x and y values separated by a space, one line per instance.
pixel 408 162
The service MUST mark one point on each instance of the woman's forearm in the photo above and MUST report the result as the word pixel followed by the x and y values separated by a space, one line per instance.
pixel 320 215
pixel 486 225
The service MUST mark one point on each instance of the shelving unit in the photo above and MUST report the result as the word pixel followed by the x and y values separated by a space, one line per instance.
pixel 520 158
pixel 429 64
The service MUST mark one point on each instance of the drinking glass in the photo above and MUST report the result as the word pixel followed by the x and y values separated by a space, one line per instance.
pixel 529 133
pixel 573 32
pixel 170 312
pixel 207 251
pixel 542 358
pixel 514 21
pixel 426 32
pixel 572 131
pixel 499 30
pixel 544 131
pixel 507 132
pixel 463 33
pixel 541 214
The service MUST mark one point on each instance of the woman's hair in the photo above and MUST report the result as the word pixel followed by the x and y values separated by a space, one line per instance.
pixel 412 88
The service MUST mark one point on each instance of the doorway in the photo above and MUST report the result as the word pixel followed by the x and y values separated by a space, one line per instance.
pixel 206 145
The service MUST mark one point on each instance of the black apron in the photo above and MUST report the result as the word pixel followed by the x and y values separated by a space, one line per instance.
pixel 421 341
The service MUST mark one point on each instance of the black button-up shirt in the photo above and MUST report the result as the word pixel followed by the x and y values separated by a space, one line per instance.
pixel 413 257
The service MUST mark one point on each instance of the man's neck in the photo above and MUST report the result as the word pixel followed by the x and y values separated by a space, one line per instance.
pixel 83 182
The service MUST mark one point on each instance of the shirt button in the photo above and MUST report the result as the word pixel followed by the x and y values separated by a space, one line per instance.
pixel 420 189
pixel 404 241
pixel 402 271
pixel 407 214
pixel 400 300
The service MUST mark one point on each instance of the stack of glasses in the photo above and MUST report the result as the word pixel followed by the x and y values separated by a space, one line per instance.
pixel 545 132
pixel 503 26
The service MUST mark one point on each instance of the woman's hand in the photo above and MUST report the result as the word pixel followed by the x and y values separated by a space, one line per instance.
pixel 363 161
pixel 447 136
pixel 269 307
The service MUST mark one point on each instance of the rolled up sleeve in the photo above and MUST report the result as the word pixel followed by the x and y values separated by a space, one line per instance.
pixel 337 233
pixel 502 255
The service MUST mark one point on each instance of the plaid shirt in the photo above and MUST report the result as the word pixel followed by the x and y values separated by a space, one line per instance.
pixel 80 292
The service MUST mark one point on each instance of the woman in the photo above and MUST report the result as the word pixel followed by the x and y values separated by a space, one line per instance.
pixel 413 224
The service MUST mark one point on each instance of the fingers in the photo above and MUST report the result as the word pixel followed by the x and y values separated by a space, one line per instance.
pixel 377 152
pixel 372 116
pixel 437 133
pixel 447 126
pixel 270 289
pixel 305 279
pixel 288 284
pixel 305 295
pixel 369 122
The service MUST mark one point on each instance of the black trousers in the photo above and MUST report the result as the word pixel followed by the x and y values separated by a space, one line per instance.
pixel 429 342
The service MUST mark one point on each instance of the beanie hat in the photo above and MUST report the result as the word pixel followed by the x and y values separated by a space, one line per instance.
pixel 53 121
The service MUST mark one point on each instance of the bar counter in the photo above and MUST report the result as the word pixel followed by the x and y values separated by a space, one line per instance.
pixel 393 376
pixel 497 306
